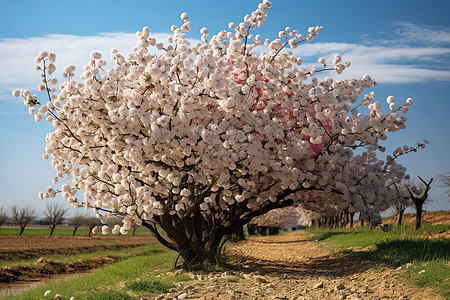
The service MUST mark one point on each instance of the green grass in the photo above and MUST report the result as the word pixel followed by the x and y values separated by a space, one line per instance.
pixel 150 286
pixel 235 278
pixel 149 261
pixel 402 247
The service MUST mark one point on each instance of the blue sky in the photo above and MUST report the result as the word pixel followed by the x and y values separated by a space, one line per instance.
pixel 404 45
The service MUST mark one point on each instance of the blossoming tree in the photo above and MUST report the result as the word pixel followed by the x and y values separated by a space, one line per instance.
pixel 200 138
pixel 272 221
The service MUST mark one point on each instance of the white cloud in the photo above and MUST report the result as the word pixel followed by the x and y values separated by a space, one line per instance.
pixel 422 34
pixel 396 64
pixel 17 55
pixel 390 63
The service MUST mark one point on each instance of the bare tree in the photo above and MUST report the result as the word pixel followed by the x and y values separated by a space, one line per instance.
pixel 3 216
pixel 418 196
pixel 77 220
pixel 401 206
pixel 445 179
pixel 400 210
pixel 22 216
pixel 113 221
pixel 92 222
pixel 55 214
pixel 134 226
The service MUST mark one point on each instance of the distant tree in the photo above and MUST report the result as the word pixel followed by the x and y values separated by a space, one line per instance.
pixel 115 223
pixel 92 223
pixel 270 222
pixel 22 216
pixel 351 215
pixel 133 228
pixel 3 216
pixel 55 214
pixel 404 200
pixel 445 179
pixel 77 220
pixel 400 210
pixel 329 218
pixel 418 195
pixel 361 219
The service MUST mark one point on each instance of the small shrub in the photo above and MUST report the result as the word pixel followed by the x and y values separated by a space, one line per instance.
pixel 182 277
pixel 153 286
pixel 235 278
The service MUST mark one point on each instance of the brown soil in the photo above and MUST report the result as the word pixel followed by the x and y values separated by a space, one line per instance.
pixel 16 248
pixel 43 268
pixel 292 266
pixel 24 247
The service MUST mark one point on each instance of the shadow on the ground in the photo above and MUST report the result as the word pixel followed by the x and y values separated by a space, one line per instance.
pixel 342 265
pixel 389 253
pixel 398 252
pixel 326 235
pixel 280 242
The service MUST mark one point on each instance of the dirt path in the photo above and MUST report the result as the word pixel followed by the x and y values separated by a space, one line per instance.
pixel 292 266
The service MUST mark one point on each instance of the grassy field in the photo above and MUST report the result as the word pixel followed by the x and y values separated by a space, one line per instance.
pixel 135 275
pixel 87 256
pixel 425 258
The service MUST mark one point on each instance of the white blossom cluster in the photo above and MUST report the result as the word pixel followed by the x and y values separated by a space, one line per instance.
pixel 213 126
pixel 57 296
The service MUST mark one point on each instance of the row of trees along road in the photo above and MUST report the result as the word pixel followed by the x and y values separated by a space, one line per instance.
pixel 414 194
pixel 195 139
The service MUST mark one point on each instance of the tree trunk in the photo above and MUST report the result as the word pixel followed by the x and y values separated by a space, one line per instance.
pixel 262 230
pixel 399 217
pixel 197 235
pixel 52 229
pixel 21 230
pixel 419 201
pixel 74 231
pixel 251 229
pixel 351 219
pixel 239 234
pixel 418 216
pixel 344 220
pixel 272 230
pixel 197 254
